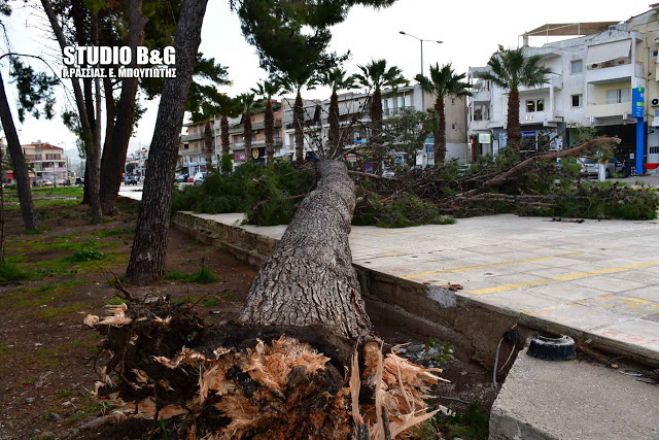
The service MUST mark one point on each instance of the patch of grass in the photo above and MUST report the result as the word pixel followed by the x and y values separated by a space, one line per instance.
pixel 210 302
pixel 115 232
pixel 115 301
pixel 202 276
pixel 58 312
pixel 12 272
pixel 4 348
pixel 30 298
pixel 472 424
pixel 87 254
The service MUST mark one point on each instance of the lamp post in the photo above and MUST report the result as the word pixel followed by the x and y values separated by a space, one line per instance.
pixel 421 41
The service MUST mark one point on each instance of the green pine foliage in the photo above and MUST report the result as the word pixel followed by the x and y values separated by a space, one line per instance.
pixel 267 195
pixel 406 210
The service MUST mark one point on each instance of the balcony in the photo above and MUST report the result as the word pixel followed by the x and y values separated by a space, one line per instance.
pixel 479 125
pixel 277 143
pixel 396 110
pixel 481 96
pixel 192 137
pixel 611 74
pixel 594 110
pixel 555 81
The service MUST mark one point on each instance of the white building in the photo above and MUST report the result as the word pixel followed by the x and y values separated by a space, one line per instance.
pixel 590 85
pixel 354 111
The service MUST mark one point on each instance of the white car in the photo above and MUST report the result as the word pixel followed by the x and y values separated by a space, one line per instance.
pixel 200 177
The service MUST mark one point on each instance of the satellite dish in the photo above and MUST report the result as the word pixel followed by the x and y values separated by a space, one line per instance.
pixel 655 101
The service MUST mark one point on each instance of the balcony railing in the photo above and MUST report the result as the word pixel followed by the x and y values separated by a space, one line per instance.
pixel 613 73
pixel 397 110
pixel 604 110
pixel 481 96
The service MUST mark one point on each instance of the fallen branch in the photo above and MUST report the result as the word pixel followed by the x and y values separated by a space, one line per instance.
pixel 525 164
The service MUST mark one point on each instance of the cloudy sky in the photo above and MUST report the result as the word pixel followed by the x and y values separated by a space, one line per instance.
pixel 470 30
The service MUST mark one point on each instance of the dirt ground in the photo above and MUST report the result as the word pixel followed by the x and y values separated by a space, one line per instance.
pixel 47 354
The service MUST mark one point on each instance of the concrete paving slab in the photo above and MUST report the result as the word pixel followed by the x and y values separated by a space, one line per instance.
pixel 542 400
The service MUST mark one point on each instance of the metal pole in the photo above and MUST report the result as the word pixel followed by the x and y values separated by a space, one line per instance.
pixel 423 98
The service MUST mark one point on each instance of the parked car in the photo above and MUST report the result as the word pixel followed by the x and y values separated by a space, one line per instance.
pixel 131 179
pixel 183 177
pixel 79 181
pixel 590 167
pixel 42 181
pixel 388 173
pixel 200 177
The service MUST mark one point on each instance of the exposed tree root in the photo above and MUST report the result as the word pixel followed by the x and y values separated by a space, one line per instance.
pixel 160 362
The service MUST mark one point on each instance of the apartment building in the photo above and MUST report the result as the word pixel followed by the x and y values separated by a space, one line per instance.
pixel 257 117
pixel 591 84
pixel 354 112
pixel 192 156
pixel 46 162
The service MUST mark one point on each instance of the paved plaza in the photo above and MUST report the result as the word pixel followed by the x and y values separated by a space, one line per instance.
pixel 600 278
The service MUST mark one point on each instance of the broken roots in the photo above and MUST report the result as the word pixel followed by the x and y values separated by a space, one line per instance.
pixel 158 362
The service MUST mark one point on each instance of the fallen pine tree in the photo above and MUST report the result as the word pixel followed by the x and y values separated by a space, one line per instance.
pixel 302 362
pixel 535 186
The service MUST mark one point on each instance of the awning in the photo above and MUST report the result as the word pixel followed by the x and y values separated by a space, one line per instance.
pixel 602 53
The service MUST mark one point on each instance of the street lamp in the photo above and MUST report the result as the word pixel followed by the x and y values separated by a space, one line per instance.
pixel 421 41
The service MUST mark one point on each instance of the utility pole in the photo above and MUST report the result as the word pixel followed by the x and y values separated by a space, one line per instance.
pixel 421 41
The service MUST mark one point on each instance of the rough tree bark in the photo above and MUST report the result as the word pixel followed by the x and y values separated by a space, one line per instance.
pixel 114 157
pixel 224 127
pixel 147 258
pixel 334 130
pixel 298 125
pixel 17 162
pixel 514 132
pixel 247 135
pixel 376 129
pixel 440 132
pixel 269 132
pixel 209 145
pixel 310 280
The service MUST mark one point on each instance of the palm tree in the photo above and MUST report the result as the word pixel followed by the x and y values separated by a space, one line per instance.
pixel 443 82
pixel 266 90
pixel 377 76
pixel 228 108
pixel 209 144
pixel 336 79
pixel 247 102
pixel 510 69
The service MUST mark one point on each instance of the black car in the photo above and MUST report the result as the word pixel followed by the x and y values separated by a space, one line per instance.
pixel 131 180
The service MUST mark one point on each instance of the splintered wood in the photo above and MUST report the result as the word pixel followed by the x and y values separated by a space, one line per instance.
pixel 153 365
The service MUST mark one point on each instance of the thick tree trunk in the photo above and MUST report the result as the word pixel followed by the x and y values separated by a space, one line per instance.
pixel 269 132
pixel 114 158
pixel 298 125
pixel 247 136
pixel 334 133
pixel 85 188
pixel 376 129
pixel 440 132
pixel 514 132
pixel 209 145
pixel 310 280
pixel 224 127
pixel 2 209
pixel 147 258
pixel 17 162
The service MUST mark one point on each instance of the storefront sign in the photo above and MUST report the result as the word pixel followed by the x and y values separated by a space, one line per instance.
pixel 484 138
pixel 638 102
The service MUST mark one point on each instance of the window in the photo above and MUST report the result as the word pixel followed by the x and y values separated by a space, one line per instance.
pixel 576 66
pixel 577 100
pixel 452 101
pixel 617 96
pixel 540 105
pixel 453 126
pixel 408 100
pixel 535 105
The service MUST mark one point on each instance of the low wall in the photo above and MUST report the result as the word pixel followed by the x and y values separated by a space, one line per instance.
pixel 392 303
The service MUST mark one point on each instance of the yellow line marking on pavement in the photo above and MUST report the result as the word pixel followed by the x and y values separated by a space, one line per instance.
pixel 487 265
pixel 562 278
